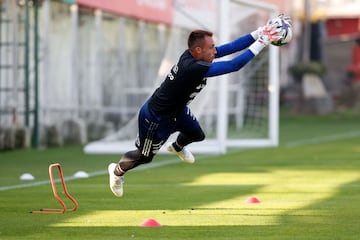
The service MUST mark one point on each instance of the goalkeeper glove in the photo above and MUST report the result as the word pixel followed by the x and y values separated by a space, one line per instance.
pixel 267 34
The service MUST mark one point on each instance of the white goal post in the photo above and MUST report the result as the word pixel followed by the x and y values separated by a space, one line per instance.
pixel 273 85
pixel 238 110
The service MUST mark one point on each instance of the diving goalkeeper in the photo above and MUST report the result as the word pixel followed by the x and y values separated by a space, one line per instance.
pixel 167 111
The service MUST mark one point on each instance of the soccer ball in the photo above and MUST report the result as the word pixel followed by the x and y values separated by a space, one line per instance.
pixel 285 31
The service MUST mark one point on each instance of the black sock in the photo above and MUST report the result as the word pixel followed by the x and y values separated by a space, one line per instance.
pixel 118 171
pixel 176 147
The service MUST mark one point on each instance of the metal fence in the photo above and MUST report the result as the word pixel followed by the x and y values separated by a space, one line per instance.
pixel 61 64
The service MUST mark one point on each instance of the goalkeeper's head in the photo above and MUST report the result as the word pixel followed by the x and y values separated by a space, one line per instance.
pixel 201 45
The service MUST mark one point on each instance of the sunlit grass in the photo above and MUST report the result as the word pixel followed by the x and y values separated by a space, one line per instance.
pixel 282 192
pixel 308 190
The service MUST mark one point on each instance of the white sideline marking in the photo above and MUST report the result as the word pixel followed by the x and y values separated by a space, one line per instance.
pixel 329 138
pixel 93 174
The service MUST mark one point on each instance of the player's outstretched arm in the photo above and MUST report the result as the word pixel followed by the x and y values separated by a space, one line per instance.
pixel 245 41
pixel 266 35
pixel 235 64
pixel 237 45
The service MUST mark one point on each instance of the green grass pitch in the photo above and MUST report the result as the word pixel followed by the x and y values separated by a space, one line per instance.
pixel 309 188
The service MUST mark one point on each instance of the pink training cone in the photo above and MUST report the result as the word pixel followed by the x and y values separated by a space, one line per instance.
pixel 150 223
pixel 252 200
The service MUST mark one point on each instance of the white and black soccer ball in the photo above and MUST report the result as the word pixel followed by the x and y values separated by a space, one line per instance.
pixel 285 30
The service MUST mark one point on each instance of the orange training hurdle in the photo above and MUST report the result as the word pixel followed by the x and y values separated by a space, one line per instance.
pixel 52 181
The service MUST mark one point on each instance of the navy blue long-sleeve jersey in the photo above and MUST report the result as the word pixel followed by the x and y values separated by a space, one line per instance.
pixel 188 77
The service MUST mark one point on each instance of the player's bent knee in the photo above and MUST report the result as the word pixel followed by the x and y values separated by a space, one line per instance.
pixel 146 159
pixel 133 155
pixel 138 157
pixel 199 136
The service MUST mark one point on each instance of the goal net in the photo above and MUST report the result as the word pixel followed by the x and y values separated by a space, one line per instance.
pixel 237 110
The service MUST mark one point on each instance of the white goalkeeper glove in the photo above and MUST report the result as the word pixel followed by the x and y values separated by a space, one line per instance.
pixel 269 33
pixel 255 34
pixel 266 34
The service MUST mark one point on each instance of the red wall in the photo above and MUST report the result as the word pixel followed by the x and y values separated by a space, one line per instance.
pixel 343 26
pixel 159 11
